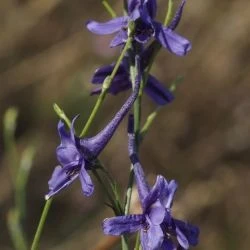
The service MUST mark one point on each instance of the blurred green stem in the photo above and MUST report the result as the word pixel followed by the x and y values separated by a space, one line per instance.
pixel 109 9
pixel 16 231
pixel 37 237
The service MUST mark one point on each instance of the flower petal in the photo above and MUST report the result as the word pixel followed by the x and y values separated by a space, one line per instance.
pixel 58 181
pixel 133 9
pixel 119 39
pixel 190 231
pixel 152 7
pixel 156 191
pixel 86 182
pixel 68 156
pixel 181 238
pixel 65 135
pixel 177 17
pixel 172 187
pixel 158 92
pixel 171 40
pixel 152 238
pixel 101 73
pixel 142 185
pixel 156 213
pixel 168 244
pixel 109 27
pixel 123 224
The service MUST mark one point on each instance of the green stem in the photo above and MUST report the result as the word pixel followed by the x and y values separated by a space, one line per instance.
pixel 105 88
pixel 16 231
pixel 169 12
pixel 137 242
pixel 109 9
pixel 37 237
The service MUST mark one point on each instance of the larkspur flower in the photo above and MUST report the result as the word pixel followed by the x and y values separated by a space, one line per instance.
pixel 153 88
pixel 77 155
pixel 149 222
pixel 158 229
pixel 143 13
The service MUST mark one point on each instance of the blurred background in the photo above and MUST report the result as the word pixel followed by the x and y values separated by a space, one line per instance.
pixel 202 139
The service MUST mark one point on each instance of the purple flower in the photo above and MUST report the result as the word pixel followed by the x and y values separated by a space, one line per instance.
pixel 77 155
pixel 143 13
pixel 149 222
pixel 121 82
pixel 158 229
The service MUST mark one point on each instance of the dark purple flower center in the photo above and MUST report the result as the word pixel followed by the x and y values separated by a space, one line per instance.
pixel 142 28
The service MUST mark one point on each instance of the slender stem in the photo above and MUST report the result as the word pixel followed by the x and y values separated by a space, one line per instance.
pixel 137 242
pixel 124 243
pixel 46 208
pixel 114 202
pixel 106 87
pixel 169 12
pixel 129 191
pixel 109 9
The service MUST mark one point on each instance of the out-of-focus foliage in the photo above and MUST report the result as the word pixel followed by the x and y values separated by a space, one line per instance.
pixel 202 140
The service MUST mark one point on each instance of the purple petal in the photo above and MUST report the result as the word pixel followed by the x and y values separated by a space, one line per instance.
pixel 109 27
pixel 156 213
pixel 156 191
pixel 142 185
pixel 177 17
pixel 123 224
pixel 117 86
pixel 119 39
pixel 158 92
pixel 68 156
pixel 152 238
pixel 65 136
pixel 168 245
pixel 171 40
pixel 86 182
pixel 172 187
pixel 152 7
pixel 182 238
pixel 190 231
pixel 104 71
pixel 101 73
pixel 134 9
pixel 59 180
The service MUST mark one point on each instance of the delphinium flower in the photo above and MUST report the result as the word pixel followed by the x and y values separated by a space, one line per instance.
pixel 153 88
pixel 158 229
pixel 143 13
pixel 77 155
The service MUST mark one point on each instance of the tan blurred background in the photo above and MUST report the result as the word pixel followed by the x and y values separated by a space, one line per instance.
pixel 202 139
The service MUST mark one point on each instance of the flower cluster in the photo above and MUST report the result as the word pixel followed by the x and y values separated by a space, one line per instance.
pixel 139 34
